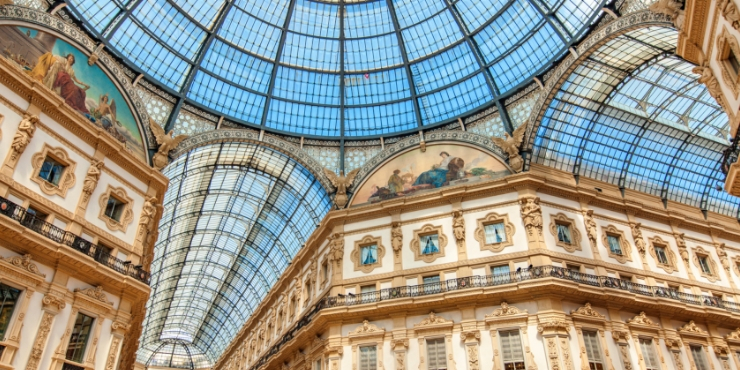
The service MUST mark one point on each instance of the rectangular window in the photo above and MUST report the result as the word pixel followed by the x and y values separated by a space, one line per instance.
pixel 733 62
pixel 103 253
pixel 429 243
pixel 8 301
pixel 436 354
pixel 700 360
pixel 51 171
pixel 114 208
pixel 317 365
pixel 648 354
pixel 704 263
pixel 367 293
pixel 614 245
pixel 368 358
pixel 79 337
pixel 367 289
pixel 325 271
pixel 36 213
pixel 563 233
pixel 573 268
pixel 495 233
pixel 661 255
pixel 500 270
pixel 432 284
pixel 431 279
pixel 511 350
pixel 369 254
pixel 593 350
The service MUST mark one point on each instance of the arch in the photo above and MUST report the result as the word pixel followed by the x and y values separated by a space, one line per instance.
pixel 235 215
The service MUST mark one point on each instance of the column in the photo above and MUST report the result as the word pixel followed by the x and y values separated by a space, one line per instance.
pixel 118 330
pixel 14 333
pixel 674 347
pixel 471 340
pixel 52 305
pixel 621 338
pixel 555 334
pixel 399 352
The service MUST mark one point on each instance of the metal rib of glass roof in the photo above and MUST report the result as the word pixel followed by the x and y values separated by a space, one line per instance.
pixel 633 114
pixel 339 68
pixel 235 215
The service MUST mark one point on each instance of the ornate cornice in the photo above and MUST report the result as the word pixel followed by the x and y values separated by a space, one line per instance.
pixel 553 324
pixel 366 327
pixel 586 310
pixel 691 327
pixel 95 293
pixel 24 263
pixel 505 310
pixel 433 320
pixel 642 319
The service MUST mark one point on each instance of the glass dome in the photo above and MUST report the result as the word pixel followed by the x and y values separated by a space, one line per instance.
pixel 339 68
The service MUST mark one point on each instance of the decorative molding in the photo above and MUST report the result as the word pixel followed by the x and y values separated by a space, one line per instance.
pixel 735 335
pixel 127 216
pixel 691 327
pixel 713 275
pixel 642 319
pixel 91 180
pixel 620 336
pixel 587 310
pixel 531 214
pixel 24 263
pixel 396 238
pixel 356 254
pixel 95 293
pixel 493 218
pixel 726 44
pixel 433 320
pixel 55 303
pixel 458 228
pixel 672 264
pixel 505 310
pixel 638 238
pixel 553 324
pixel 66 180
pixel 415 244
pixel 365 328
pixel 470 336
pixel 37 350
pixel 336 248
pixel 626 249
pixel 575 235
pixel 722 254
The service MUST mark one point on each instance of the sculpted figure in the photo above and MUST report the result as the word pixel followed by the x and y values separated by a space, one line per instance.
pixel 588 219
pixel 706 77
pixel 531 213
pixel 23 136
pixel 147 214
pixel 396 237
pixel 730 12
pixel 166 143
pixel 458 226
pixel 671 8
pixel 342 183
pixel 91 179
pixel 510 144
pixel 637 235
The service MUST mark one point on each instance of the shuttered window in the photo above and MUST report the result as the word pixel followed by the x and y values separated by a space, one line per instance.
pixel 593 350
pixel 700 360
pixel 368 358
pixel 511 350
pixel 436 354
pixel 648 354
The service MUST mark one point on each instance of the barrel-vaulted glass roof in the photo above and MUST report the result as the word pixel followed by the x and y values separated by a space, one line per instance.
pixel 339 68
pixel 633 114
pixel 235 215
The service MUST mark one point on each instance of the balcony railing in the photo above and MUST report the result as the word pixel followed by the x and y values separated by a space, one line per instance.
pixel 472 282
pixel 73 241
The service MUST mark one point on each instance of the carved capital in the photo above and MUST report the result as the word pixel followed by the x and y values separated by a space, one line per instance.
pixel 54 303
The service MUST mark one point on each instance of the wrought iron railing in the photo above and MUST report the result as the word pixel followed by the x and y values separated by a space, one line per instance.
pixel 470 282
pixel 71 240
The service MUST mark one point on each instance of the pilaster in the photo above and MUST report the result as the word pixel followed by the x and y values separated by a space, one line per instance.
pixel 52 305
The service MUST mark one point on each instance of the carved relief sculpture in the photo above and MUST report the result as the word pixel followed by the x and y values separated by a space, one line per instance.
pixel 639 240
pixel 432 320
pixel 396 238
pixel 366 327
pixel 472 351
pixel 510 144
pixel 722 254
pixel 506 310
pixel 336 248
pixel 23 136
pixel 532 214
pixel 642 319
pixel 95 293
pixel 341 183
pixel 458 228
pixel 691 327
pixel 91 180
pixel 730 12
pixel 682 250
pixel 147 215
pixel 588 219
pixel 587 310
pixel 24 263
pixel 706 77
pixel 672 9
pixel 166 143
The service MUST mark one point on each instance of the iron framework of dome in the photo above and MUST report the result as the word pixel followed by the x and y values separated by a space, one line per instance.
pixel 339 68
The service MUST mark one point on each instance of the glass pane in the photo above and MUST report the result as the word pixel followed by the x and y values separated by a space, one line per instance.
pixel 429 243
pixel 704 264
pixel 697 352
pixel 614 244
pixel 369 254
pixel 368 358
pixel 495 233
pixel 79 337
pixel 51 171
pixel 431 279
pixel 367 289
pixel 660 253
pixel 7 305
pixel 500 270
pixel 564 233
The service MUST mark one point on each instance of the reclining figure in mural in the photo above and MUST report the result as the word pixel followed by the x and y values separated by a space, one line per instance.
pixel 441 174
pixel 56 72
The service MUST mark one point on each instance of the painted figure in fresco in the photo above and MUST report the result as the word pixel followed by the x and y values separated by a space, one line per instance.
pixel 442 173
pixel 56 72
pixel 395 182
pixel 107 111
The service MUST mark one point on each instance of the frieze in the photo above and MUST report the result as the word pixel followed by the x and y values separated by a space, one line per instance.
pixel 505 310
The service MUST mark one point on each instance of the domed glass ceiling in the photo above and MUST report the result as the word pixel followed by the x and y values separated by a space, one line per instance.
pixel 339 68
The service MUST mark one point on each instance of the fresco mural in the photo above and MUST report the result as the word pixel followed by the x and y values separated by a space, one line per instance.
pixel 63 68
pixel 439 166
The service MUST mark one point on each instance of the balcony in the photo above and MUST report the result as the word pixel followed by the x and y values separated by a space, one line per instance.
pixel 20 214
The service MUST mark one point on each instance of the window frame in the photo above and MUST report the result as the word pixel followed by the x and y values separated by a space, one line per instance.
pixel 727 45
pixel 444 355
pixel 713 274
pixel 85 347
pixel 492 218
pixel 561 219
pixel 645 356
pixel 67 178
pixel 127 214
pixel 416 246
pixel 614 232
pixel 671 264
pixel 355 255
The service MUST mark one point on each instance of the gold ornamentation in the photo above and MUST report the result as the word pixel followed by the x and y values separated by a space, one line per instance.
pixel 531 214
pixel 587 310
pixel 672 9
pixel 95 293
pixel 356 254
pixel 642 319
pixel 341 183
pixel 493 218
pixel 712 275
pixel 670 267
pixel 415 244
pixel 691 328
pixel 575 235
pixel 366 327
pixel 166 143
pixel 336 248
pixel 612 230
pixel 433 319
pixel 396 238
pixel 67 178
pixel 127 216
pixel 24 263
pixel 506 310
pixel 91 180
pixel 26 129
pixel 510 144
